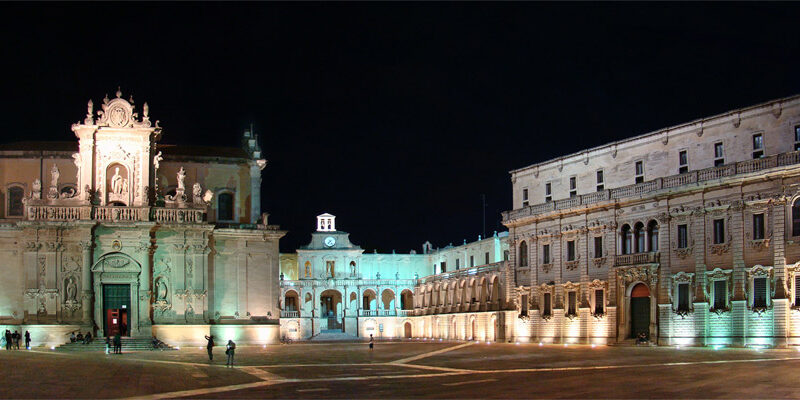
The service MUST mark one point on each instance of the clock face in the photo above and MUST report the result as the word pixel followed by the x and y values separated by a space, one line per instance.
pixel 330 241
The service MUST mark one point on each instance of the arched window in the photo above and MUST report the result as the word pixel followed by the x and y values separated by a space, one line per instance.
pixel 523 254
pixel 626 238
pixel 796 218
pixel 652 232
pixel 14 207
pixel 225 207
pixel 640 238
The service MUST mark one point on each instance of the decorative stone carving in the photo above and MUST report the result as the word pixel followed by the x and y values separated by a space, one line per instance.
pixel 720 249
pixel 546 268
pixel 683 253
pixel 681 277
pixel 571 265
pixel 641 273
pixel 599 262
pixel 36 189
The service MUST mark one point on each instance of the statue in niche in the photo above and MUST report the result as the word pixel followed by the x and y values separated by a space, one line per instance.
pixel 54 175
pixel 161 290
pixel 72 290
pixel 37 189
pixel 117 182
pixel 181 177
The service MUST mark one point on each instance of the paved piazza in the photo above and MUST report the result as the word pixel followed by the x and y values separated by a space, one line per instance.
pixel 407 369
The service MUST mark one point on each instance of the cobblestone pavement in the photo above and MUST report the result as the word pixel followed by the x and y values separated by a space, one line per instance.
pixel 407 369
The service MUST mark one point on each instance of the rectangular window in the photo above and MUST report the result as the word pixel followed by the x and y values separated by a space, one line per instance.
pixel 548 192
pixel 571 250
pixel 598 301
pixel 486 257
pixel 505 255
pixel 683 297
pixel 758 145
pixel 444 267
pixel 546 304
pixel 471 261
pixel 797 290
pixel 600 181
pixel 572 308
pixel 546 254
pixel 758 226
pixel 719 156
pixel 683 236
pixel 598 247
pixel 683 162
pixel 639 170
pixel 573 186
pixel 759 292
pixel 458 263
pixel 719 231
pixel 797 138
pixel 525 197
pixel 720 295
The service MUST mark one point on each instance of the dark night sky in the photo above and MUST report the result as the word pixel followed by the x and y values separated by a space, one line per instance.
pixel 395 117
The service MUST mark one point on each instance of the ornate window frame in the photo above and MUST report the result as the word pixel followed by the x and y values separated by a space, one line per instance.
pixel 760 271
pixel 752 210
pixel 725 246
pixel 570 287
pixel 571 234
pixel 681 216
pixel 542 289
pixel 791 274
pixel 594 286
pixel 674 294
pixel 719 274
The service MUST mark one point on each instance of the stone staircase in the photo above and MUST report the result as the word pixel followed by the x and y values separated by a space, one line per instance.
pixel 333 335
pixel 128 344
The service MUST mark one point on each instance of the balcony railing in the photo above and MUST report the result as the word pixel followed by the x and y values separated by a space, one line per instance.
pixel 48 212
pixel 463 272
pixel 290 314
pixel 669 182
pixel 637 258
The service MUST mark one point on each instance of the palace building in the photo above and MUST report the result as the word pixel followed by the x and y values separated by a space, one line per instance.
pixel 117 232
pixel 689 235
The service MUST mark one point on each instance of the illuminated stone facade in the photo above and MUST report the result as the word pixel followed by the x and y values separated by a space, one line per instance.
pixel 688 234
pixel 173 236
pixel 331 287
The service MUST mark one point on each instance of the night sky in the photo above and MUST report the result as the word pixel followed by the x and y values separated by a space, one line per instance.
pixel 395 117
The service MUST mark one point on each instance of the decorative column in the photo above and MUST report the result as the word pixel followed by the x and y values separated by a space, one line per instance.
pixel 86 282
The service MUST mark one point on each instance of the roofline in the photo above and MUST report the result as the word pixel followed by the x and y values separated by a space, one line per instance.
pixel 684 125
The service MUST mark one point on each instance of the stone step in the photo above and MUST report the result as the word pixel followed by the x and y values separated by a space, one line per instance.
pixel 128 344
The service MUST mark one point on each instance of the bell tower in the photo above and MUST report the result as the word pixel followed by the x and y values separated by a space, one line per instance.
pixel 116 159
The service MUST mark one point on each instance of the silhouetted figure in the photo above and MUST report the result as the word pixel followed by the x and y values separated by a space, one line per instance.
pixel 27 340
pixel 230 351
pixel 371 342
pixel 210 346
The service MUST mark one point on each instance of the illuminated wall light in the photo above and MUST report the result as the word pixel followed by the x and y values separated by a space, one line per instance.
pixel 594 345
pixel 541 344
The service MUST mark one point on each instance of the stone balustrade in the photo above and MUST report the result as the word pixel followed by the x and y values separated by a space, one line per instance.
pixel 46 212
pixel 290 314
pixel 655 185
pixel 637 258
pixel 463 272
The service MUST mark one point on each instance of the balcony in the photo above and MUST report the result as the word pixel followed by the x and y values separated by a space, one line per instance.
pixel 637 258
pixel 290 314
pixel 659 184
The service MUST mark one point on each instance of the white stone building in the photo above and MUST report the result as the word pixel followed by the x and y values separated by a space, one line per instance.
pixel 688 234
pixel 116 232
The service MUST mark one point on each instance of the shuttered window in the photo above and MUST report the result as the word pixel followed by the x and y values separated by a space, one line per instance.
pixel 572 310
pixel 760 292
pixel 683 297
pixel 598 301
pixel 720 294
pixel 546 302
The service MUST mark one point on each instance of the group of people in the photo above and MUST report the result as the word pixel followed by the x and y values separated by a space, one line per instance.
pixel 12 340
pixel 80 338
pixel 230 350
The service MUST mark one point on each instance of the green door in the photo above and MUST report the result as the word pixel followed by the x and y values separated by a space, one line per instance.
pixel 640 316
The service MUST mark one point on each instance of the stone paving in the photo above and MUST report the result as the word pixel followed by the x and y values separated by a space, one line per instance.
pixel 407 369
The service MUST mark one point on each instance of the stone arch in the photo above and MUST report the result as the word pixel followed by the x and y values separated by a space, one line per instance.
pixel 496 293
pixel 387 299
pixel 471 328
pixel 225 205
pixel 118 183
pixel 291 300
pixel 369 300
pixel 406 299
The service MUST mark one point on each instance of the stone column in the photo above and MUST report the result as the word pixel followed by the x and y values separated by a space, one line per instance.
pixel 86 282
pixel 255 193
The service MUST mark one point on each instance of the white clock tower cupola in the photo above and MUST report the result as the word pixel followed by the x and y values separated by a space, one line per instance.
pixel 326 223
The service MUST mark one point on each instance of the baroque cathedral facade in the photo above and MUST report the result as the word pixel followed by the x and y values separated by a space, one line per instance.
pixel 119 233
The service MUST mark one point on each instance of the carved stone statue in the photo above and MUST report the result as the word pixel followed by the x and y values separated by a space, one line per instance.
pixel 161 293
pixel 157 160
pixel 181 177
pixel 72 290
pixel 197 191
pixel 37 189
pixel 54 175
pixel 117 182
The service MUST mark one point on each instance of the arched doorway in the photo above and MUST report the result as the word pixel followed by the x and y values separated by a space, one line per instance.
pixel 640 310
pixel 407 327
pixel 330 305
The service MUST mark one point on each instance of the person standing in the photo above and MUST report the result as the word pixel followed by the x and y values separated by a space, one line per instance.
pixel 117 343
pixel 17 338
pixel 108 344
pixel 27 340
pixel 230 351
pixel 371 342
pixel 210 346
